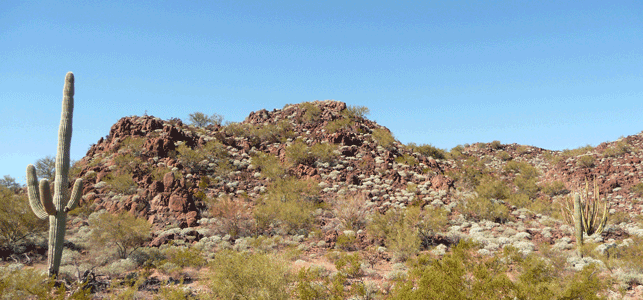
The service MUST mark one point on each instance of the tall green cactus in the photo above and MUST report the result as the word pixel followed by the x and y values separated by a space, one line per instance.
pixel 40 198
pixel 578 225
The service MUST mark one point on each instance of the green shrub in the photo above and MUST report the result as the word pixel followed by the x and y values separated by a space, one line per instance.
pixel 269 165
pixel 407 160
pixel 290 203
pixel 554 188
pixel 495 145
pixel 337 125
pixel 299 153
pixel 188 156
pixel 618 149
pixel 427 150
pixel 200 119
pixel 246 275
pixel 324 152
pixel 469 172
pixel 349 265
pixel 127 162
pixel 315 284
pixel 17 221
pixel 456 276
pixel 122 183
pixel 312 112
pixel 576 152
pixel 399 229
pixel 123 231
pixel 356 112
pixel 637 188
pixel 504 155
pixel 586 161
pixel 185 257
pixel 383 137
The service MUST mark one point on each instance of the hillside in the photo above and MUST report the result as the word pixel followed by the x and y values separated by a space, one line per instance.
pixel 315 183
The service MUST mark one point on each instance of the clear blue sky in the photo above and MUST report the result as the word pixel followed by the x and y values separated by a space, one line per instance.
pixel 552 74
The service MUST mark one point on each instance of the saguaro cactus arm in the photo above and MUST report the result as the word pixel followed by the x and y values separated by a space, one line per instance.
pixel 39 200
pixel 45 197
pixel 75 195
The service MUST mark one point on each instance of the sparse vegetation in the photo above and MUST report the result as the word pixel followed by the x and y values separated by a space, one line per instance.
pixel 246 275
pixel 200 119
pixel 383 137
pixel 123 231
pixel 428 150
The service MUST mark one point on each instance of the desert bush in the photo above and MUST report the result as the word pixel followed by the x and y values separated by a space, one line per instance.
pixel 487 204
pixel 383 137
pixel 200 119
pixel 352 211
pixel 123 231
pixel 299 153
pixel 431 221
pixel 618 149
pixel 324 152
pixel 554 188
pixel 349 264
pixel 471 172
pixel 288 202
pixel 313 283
pixel 188 156
pixel 269 165
pixel 127 162
pixel 504 155
pixel 17 221
pixel 248 275
pixel 312 112
pixel 407 160
pixel 17 282
pixel 271 133
pixel 586 161
pixel 526 179
pixel 637 188
pixel 398 228
pixel 184 257
pixel 578 151
pixel 122 183
pixel 456 276
pixel 493 188
pixel 234 216
pixel 356 112
pixel 133 144
pixel 336 125
pixel 427 150
pixel 495 145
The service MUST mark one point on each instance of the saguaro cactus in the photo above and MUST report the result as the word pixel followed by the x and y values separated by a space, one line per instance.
pixel 40 198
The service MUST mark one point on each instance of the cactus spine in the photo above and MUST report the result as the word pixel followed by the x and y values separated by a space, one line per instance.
pixel 578 224
pixel 40 197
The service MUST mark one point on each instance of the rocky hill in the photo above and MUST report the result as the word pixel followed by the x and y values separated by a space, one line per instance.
pixel 220 187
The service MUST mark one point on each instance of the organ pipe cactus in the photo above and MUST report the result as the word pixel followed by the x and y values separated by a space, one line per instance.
pixel 40 196
pixel 578 225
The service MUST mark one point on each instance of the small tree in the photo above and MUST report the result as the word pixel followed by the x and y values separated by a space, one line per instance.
pixel 16 222
pixel 124 231
pixel 200 119
pixel 46 168
pixel 9 182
